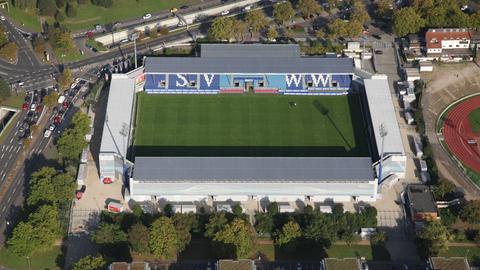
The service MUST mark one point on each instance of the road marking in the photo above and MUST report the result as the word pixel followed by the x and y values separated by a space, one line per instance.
pixel 14 189
pixel 3 209
pixel 9 199
pixel 3 154
pixel 11 140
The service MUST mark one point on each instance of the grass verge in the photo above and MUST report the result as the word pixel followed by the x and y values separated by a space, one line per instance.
pixel 40 260
pixel 472 254
pixel 95 44
pixel 28 19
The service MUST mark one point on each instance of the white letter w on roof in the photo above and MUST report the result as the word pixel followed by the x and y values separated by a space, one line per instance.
pixel 295 78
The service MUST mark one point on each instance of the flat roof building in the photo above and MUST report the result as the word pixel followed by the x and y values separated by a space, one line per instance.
pixel 422 204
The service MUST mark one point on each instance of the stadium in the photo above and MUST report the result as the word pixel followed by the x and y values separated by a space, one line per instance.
pixel 249 123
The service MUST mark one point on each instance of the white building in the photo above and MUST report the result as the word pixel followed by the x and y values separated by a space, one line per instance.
pixel 448 43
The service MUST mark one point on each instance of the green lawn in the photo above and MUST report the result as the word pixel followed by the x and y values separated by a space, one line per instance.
pixel 200 249
pixel 95 44
pixel 14 101
pixel 473 253
pixel 248 124
pixel 43 260
pixel 29 19
pixel 69 56
pixel 474 118
pixel 88 15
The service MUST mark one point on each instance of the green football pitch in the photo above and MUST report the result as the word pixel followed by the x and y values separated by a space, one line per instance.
pixel 249 125
pixel 474 118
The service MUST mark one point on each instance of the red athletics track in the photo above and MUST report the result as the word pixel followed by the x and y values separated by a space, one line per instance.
pixel 457 130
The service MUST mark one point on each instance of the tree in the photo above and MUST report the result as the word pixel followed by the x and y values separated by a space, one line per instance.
pixel 283 12
pixel 59 17
pixel 9 52
pixel 60 3
pixel 272 33
pixel 3 36
pixel 359 13
pixel 273 209
pixel 289 235
pixel 81 123
pixel 256 20
pixel 163 239
pixel 138 237
pixel 71 10
pixel 475 18
pixel 384 7
pixel 433 238
pixel 183 225
pixel 309 7
pixel 215 224
pixel 222 29
pixel 378 239
pixel 4 90
pixel 47 7
pixel 70 145
pixel 442 189
pixel 48 186
pixel 23 242
pixel 338 28
pixel 407 21
pixel 237 210
pixel 320 34
pixel 239 234
pixel 90 263
pixel 107 234
pixel 163 30
pixel 264 223
pixel 471 212
pixel 321 231
pixel 103 3
pixel 61 38
pixel 50 100
pixel 65 79
pixel 239 29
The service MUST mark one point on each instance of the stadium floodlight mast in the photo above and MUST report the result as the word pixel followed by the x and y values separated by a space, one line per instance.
pixel 383 133
pixel 134 37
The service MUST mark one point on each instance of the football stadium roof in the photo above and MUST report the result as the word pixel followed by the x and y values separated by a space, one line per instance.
pixel 225 169
pixel 382 111
pixel 249 58
pixel 119 115
pixel 250 50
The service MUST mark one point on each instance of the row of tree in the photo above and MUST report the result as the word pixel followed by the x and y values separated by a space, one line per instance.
pixel 72 142
pixel 432 13
pixel 48 190
pixel 231 235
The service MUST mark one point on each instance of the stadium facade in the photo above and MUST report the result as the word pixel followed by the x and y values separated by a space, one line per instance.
pixel 241 68
pixel 236 69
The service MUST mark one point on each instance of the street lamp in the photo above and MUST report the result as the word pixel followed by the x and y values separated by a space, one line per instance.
pixel 134 38
pixel 383 134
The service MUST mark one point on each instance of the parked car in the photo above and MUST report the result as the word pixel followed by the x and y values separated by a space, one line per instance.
pixel 247 8
pixel 225 12
pixel 33 107
pixel 47 133
pixel 25 106
pixel 57 119
pixel 147 16
pixel 52 127
pixel 378 52
pixel 2 18
pixel 65 105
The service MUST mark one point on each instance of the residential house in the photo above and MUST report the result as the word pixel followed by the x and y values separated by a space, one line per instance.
pixel 449 44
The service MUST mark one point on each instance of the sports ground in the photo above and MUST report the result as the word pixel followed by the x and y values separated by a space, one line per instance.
pixel 461 130
pixel 249 125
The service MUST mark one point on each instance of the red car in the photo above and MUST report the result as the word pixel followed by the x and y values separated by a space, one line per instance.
pixel 57 119
pixel 65 105
pixel 25 106
pixel 107 180
pixel 39 108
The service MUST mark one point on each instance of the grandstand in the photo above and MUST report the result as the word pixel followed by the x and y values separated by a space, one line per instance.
pixel 280 69
pixel 209 145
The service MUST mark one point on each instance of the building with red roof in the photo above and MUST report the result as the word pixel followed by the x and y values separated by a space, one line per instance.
pixel 448 43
